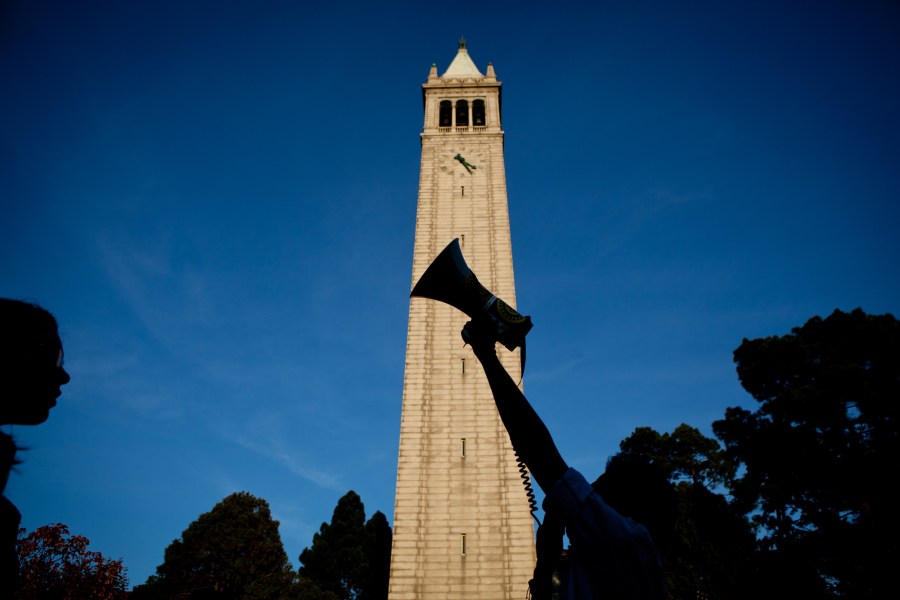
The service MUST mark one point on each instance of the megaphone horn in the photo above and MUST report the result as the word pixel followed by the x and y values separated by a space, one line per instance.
pixel 450 280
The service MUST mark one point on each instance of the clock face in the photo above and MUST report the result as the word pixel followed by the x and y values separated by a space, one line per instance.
pixel 462 161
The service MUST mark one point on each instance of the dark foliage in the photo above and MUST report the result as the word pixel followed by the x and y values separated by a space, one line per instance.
pixel 378 553
pixel 233 551
pixel 684 455
pixel 55 565
pixel 818 453
pixel 349 558
pixel 660 481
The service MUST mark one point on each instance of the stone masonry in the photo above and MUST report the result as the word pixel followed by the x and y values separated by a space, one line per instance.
pixel 462 528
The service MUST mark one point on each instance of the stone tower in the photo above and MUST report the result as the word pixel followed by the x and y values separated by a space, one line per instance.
pixel 462 527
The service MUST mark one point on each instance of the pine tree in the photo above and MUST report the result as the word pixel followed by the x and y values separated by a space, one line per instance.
pixel 349 557
pixel 233 551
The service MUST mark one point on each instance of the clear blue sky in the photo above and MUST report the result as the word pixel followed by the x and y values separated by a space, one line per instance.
pixel 217 200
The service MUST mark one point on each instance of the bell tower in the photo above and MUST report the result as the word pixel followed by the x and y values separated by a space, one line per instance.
pixel 462 525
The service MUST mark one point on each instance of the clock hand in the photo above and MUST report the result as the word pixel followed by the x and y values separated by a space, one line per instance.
pixel 462 161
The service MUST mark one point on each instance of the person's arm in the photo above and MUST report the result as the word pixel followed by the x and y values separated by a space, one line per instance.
pixel 527 432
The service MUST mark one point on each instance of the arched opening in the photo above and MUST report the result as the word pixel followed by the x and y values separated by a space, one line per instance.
pixel 478 118
pixel 462 113
pixel 445 114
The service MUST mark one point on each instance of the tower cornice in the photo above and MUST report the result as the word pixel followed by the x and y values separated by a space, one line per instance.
pixel 462 82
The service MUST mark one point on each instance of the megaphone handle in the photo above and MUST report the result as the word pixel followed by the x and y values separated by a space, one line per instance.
pixel 522 360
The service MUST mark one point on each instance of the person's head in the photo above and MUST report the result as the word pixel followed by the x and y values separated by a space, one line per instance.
pixel 641 490
pixel 31 371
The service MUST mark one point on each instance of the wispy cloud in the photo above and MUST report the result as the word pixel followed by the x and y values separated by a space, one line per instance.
pixel 264 435
pixel 165 298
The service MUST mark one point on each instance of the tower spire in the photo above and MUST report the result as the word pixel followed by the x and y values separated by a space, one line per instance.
pixel 462 65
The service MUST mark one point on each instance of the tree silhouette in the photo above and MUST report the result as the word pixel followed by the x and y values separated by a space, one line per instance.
pixel 378 553
pixel 233 551
pixel 349 558
pixel 684 455
pixel 817 455
pixel 660 480
pixel 56 565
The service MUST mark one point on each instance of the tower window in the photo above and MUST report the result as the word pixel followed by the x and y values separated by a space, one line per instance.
pixel 445 116
pixel 478 118
pixel 462 544
pixel 462 113
pixel 462 447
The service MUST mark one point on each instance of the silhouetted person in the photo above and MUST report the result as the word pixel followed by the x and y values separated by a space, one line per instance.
pixel 31 374
pixel 610 556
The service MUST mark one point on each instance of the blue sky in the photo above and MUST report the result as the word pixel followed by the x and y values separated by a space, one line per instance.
pixel 217 201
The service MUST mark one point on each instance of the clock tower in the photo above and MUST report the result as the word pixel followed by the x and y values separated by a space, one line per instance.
pixel 462 525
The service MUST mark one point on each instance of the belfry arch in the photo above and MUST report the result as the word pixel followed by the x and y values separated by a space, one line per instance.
pixel 478 114
pixel 462 113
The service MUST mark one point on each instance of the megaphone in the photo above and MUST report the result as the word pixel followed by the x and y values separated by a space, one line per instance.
pixel 450 280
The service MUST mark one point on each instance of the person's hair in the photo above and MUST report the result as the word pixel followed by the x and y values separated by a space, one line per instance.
pixel 20 323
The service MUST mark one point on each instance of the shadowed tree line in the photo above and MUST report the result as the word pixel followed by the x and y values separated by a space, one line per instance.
pixel 795 499
pixel 235 552
pixel 792 500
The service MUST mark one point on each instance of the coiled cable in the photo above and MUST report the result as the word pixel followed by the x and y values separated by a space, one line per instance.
pixel 529 490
